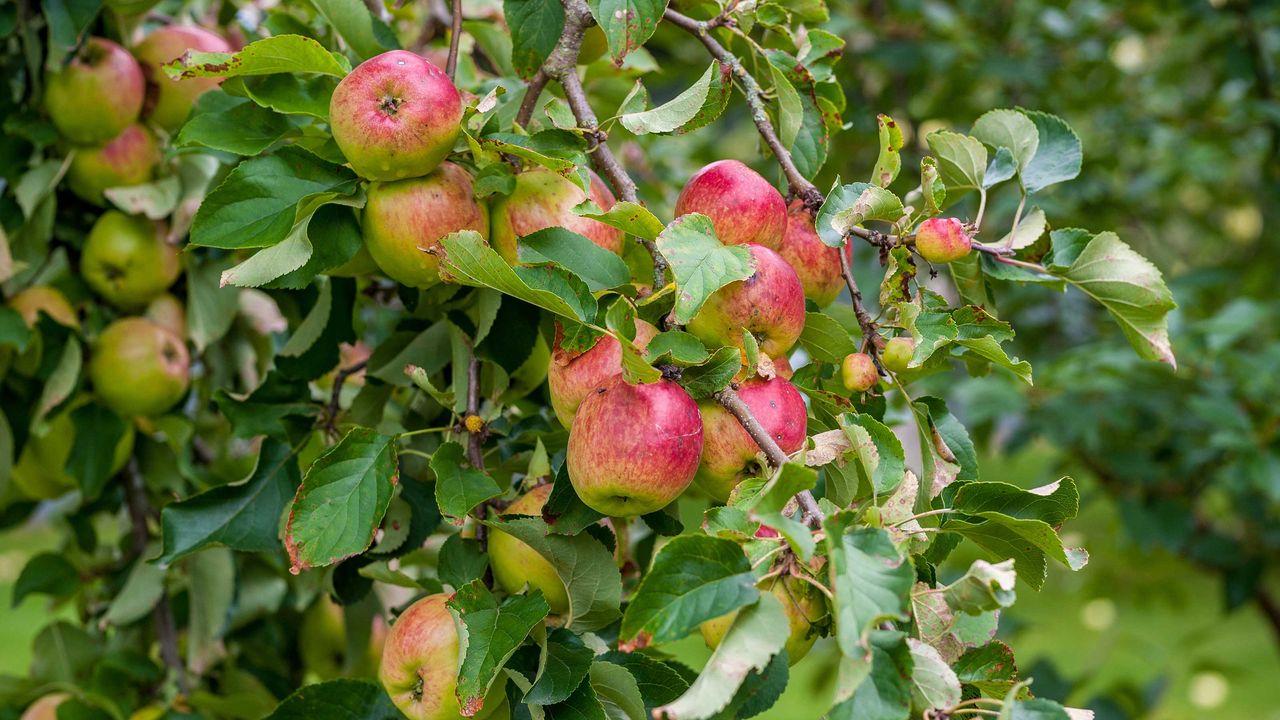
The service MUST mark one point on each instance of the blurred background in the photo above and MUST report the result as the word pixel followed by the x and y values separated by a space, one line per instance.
pixel 1177 616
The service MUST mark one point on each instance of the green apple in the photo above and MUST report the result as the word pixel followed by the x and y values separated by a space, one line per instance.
pixel 858 372
pixel 40 472
pixel 322 642
pixel 95 96
pixel 168 312
pixel 803 605
pixel 515 563
pixel 127 261
pixel 127 159
pixel 897 354
pixel 139 368
pixel 173 99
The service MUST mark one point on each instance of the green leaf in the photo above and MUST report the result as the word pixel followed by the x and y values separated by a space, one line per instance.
pixel 934 684
pixel 881 462
pixel 363 33
pixel 585 566
pixel 1028 542
pixel 962 161
pixel 825 339
pixel 631 218
pixel 341 500
pixel 243 516
pixel 489 633
pixel 1027 232
pixel 69 21
pixel 988 663
pixel 694 578
pixel 1054 503
pixel 599 268
pixel 890 160
pixel 46 574
pixel 700 263
pixel 933 190
pixel 983 587
pixel 1008 129
pixel 461 561
pixel 338 699
pixel 1033 709
pixel 676 113
pixel 872 203
pixel 627 24
pixel 470 261
pixel 232 124
pixel 157 200
pixel 714 375
pixel 277 407
pixel 63 652
pixel 256 206
pixel 790 109
pixel 883 693
pixel 212 592
pixel 1003 167
pixel 617 691
pixel 659 682
pixel 459 489
pixel 676 347
pixel 279 54
pixel 535 29
pixel 1058 156
pixel 61 381
pixel 138 597
pixel 770 504
pixel 210 308
pixel 565 666
pixel 870 578
pixel 287 93
pixel 758 632
pixel 98 431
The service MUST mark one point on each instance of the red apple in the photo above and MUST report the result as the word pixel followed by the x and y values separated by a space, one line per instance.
pixel 172 99
pixel 858 372
pixel 97 95
pixel 139 368
pixel 941 240
pixel 127 261
pixel 42 298
pixel 634 448
pixel 744 207
pixel 128 159
pixel 728 451
pixel 515 564
pixel 769 305
pixel 543 199
pixel 395 116
pixel 405 217
pixel 572 377
pixel 816 263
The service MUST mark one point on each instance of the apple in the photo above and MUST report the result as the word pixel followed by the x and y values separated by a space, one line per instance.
pixel 168 312
pixel 515 564
pixel 402 219
pixel 44 299
pixel 46 708
pixel 727 449
pixel 172 99
pixel 127 261
pixel 816 263
pixel 322 642
pixel 769 305
pixel 942 240
pixel 743 206
pixel 395 116
pixel 97 95
pixel 139 368
pixel 782 366
pixel 128 159
pixel 543 199
pixel 858 372
pixel 897 354
pixel 634 448
pixel 40 472
pixel 419 667
pixel 572 377
pixel 803 605
pixel 154 711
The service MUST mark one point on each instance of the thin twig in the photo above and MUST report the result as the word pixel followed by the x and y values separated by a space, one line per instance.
pixel 533 90
pixel 451 67
pixel 729 400
pixel 335 397
pixel 161 612
pixel 473 423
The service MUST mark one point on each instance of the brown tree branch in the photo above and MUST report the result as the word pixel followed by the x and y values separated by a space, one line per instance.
pixel 161 613
pixel 533 90
pixel 451 66
pixel 473 422
pixel 335 397
pixel 872 343
pixel 729 400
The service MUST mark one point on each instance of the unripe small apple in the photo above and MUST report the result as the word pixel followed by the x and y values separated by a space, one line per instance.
pixel 803 605
pixel 897 353
pixel 40 472
pixel 128 159
pixel 139 368
pixel 515 563
pixel 743 206
pixel 97 95
pixel 173 99
pixel 395 116
pixel 816 263
pixel 727 449
pixel 572 377
pixel 127 261
pixel 941 240
pixel 769 305
pixel 169 313
pixel 858 372
pixel 46 708
pixel 322 642
pixel 543 199
pixel 405 218
pixel 634 448
pixel 47 299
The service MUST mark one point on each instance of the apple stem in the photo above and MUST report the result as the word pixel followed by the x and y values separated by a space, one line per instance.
pixel 451 66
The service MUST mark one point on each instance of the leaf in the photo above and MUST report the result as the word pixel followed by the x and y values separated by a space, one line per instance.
pixel 341 500
pixel 890 160
pixel 1003 166
pixel 212 591
pixel 470 261
pixel 287 93
pixel 934 685
pixel 1028 542
pixel 676 113
pixel 1054 503
pixel 1058 156
pixel 883 693
pixel 1033 709
pixel 617 691
pixel 825 339
pixel 962 161
pixel 759 631
pixel 769 506
pixel 461 561
pixel 232 124
pixel 1008 129
pixel 566 664
pixel 599 268
pixel 714 375
pixel 872 203
pixel 535 28
pixel 98 432
pixel 210 308
pixel 278 54
pixel 243 516
pixel 879 454
pixel 46 574
pixel 694 578
pixel 61 382
pixel 459 489
pixel 992 662
pixel 983 587
pixel 659 682
pixel 631 218
pixel 275 408
pixel 676 347
pixel 933 190
pixel 585 566
pixel 142 589
pixel 1029 229
pixel 871 581
pixel 627 24
pixel 363 33
pixel 489 634
pixel 790 109
pixel 700 264
pixel 256 206
pixel 274 262
pixel 63 652
pixel 339 700
pixel 156 200
pixel 1131 288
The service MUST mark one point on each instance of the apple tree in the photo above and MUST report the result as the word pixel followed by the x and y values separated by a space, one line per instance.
pixel 368 366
